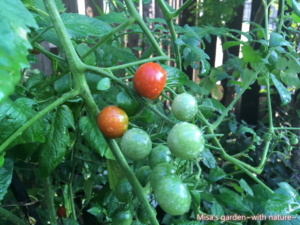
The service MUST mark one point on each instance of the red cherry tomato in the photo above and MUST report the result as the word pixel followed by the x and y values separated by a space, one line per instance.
pixel 112 122
pixel 149 80
pixel 61 212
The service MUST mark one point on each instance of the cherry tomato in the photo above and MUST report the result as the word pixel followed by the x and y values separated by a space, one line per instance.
pixel 123 190
pixel 186 141
pixel 61 212
pixel 267 137
pixel 136 144
pixel 159 154
pixel 184 107
pixel 112 122
pixel 129 105
pixel 294 140
pixel 122 218
pixel 143 175
pixel 159 172
pixel 143 215
pixel 172 195
pixel 149 80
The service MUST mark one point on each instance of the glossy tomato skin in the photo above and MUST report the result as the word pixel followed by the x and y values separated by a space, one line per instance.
pixel 129 105
pixel 159 154
pixel 172 195
pixel 143 175
pixel 61 212
pixel 184 107
pixel 149 80
pixel 123 190
pixel 136 144
pixel 122 218
pixel 160 171
pixel 186 140
pixel 112 121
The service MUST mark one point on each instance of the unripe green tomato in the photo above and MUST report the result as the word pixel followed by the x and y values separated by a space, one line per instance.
pixel 136 144
pixel 159 154
pixel 267 137
pixel 143 215
pixel 122 218
pixel 172 195
pixel 159 172
pixel 129 105
pixel 294 140
pixel 184 107
pixel 289 148
pixel 143 175
pixel 123 190
pixel 186 140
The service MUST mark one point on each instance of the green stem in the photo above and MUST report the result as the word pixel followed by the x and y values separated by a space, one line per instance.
pixel 269 105
pixel 123 66
pixel 48 54
pixel 49 201
pixel 135 14
pixel 281 16
pixel 266 20
pixel 11 217
pixel 180 9
pixel 39 115
pixel 108 36
pixel 176 47
pixel 33 40
pixel 132 180
pixel 286 128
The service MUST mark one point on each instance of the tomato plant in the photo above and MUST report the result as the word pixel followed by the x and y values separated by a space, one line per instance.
pixel 136 144
pixel 149 80
pixel 294 140
pixel 143 175
pixel 159 172
pixel 186 140
pixel 184 107
pixel 267 137
pixel 129 105
pixel 112 121
pixel 143 215
pixel 122 218
pixel 123 190
pixel 61 212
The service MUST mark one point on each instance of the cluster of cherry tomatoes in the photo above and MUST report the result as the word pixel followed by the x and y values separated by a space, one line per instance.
pixel 185 141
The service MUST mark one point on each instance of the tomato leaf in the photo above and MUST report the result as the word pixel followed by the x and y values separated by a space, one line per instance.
pixel 92 135
pixel 104 84
pixel 277 40
pixel 81 50
pixel 88 187
pixel 216 209
pixel 246 187
pixel 14 45
pixel 5 176
pixel 249 54
pixel 208 159
pixel 112 17
pixel 175 77
pixel 15 114
pixel 229 44
pixel 216 174
pixel 196 88
pixel 115 174
pixel 296 7
pixel 284 93
pixel 58 140
pixel 63 85
pixel 120 54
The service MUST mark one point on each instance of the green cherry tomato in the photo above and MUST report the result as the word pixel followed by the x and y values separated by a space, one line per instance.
pixel 289 148
pixel 294 140
pixel 159 154
pixel 184 107
pixel 159 172
pixel 172 195
pixel 136 144
pixel 129 105
pixel 123 190
pixel 122 218
pixel 186 140
pixel 267 137
pixel 143 215
pixel 143 175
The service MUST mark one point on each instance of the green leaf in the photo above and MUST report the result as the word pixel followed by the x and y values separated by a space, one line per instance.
pixel 229 44
pixel 218 105
pixel 88 188
pixel 115 174
pixel 15 114
pixel 92 135
pixel 290 78
pixel 14 45
pixel 196 196
pixel 246 187
pixel 296 7
pixel 282 63
pixel 208 159
pixel 63 85
pixel 40 5
pixel 96 211
pixel 216 174
pixel 58 140
pixel 112 17
pixel 249 54
pixel 5 176
pixel 92 80
pixel 70 221
pixel 196 88
pixel 34 81
pixel 90 59
pixel 216 209
pixel 103 84
pixel 284 93
pixel 175 77
pixel 232 201
pixel 120 54
pixel 277 40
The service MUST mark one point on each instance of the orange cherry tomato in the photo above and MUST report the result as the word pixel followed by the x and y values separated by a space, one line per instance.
pixel 149 80
pixel 61 212
pixel 112 121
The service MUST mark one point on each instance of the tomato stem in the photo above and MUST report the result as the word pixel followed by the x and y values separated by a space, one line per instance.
pixel 50 201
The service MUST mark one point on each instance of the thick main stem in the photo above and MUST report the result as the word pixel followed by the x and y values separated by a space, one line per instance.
pixel 49 201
